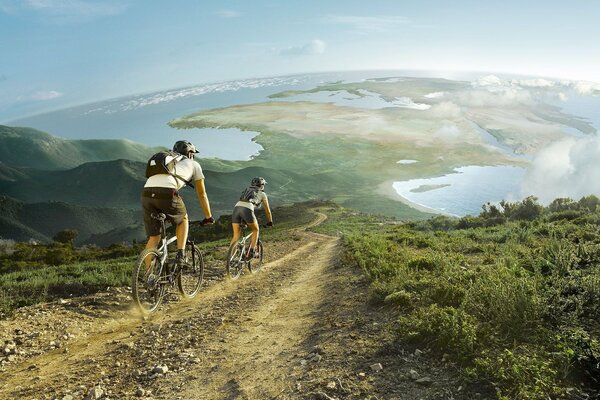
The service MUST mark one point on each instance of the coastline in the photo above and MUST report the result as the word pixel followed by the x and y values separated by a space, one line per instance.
pixel 387 189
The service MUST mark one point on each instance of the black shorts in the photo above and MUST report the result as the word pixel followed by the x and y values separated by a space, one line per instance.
pixel 243 214
pixel 164 200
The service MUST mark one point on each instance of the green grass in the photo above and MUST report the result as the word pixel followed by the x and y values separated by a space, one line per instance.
pixel 33 285
pixel 516 303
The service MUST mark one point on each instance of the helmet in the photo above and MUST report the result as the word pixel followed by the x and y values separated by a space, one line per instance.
pixel 184 147
pixel 259 181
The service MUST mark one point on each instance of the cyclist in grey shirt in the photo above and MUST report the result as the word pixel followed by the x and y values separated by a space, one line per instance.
pixel 251 198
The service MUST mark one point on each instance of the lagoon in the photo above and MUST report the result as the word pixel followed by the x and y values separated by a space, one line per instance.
pixel 464 191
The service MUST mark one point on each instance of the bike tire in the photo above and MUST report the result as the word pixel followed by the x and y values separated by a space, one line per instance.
pixel 234 261
pixel 146 287
pixel 191 274
pixel 255 264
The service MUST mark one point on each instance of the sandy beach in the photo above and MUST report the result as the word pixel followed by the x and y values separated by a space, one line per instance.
pixel 387 189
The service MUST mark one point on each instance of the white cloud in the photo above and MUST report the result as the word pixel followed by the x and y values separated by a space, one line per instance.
pixel 46 95
pixel 535 83
pixel 495 96
pixel 568 168
pixel 586 87
pixel 316 46
pixel 227 13
pixel 74 8
pixel 367 24
pixel 489 80
pixel 445 109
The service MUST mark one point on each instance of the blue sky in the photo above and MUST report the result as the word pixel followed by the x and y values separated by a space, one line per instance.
pixel 56 53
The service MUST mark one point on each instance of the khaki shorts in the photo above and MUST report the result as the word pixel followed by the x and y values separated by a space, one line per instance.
pixel 166 201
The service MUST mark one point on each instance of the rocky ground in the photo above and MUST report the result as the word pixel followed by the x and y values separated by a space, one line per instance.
pixel 299 329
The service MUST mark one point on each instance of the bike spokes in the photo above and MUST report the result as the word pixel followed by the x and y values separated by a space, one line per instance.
pixel 235 260
pixel 255 263
pixel 147 288
pixel 191 273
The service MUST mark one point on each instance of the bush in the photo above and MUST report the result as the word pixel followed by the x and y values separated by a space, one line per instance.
pixel 520 373
pixel 59 255
pixel 446 329
pixel 507 300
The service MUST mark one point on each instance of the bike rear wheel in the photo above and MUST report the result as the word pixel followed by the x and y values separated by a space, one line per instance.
pixel 191 274
pixel 146 287
pixel 235 262
pixel 255 264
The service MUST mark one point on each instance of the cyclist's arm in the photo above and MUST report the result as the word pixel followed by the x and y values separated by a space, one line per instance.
pixel 203 198
pixel 267 210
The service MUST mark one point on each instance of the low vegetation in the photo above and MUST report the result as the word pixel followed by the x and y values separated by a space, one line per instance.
pixel 512 295
pixel 33 272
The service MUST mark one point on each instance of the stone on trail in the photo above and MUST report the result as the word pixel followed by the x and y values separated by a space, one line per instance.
pixel 424 381
pixel 95 393
pixel 160 369
pixel 376 367
pixel 414 375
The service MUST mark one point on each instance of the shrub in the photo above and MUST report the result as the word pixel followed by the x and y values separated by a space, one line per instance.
pixel 520 373
pixel 506 300
pixel 59 255
pixel 446 329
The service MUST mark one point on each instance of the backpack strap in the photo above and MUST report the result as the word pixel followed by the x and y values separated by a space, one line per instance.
pixel 174 175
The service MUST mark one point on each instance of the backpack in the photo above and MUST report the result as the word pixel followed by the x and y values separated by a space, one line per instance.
pixel 250 194
pixel 164 162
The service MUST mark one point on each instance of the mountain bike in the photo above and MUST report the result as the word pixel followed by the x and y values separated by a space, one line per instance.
pixel 236 255
pixel 155 272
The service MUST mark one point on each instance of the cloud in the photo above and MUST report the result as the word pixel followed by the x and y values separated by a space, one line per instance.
pixel 489 80
pixel 534 83
pixel 585 87
pixel 445 110
pixel 495 96
pixel 568 168
pixel 3 78
pixel 316 46
pixel 46 95
pixel 227 13
pixel 68 9
pixel 367 24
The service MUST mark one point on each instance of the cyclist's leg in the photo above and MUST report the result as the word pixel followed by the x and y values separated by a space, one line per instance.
pixel 236 233
pixel 181 231
pixel 152 226
pixel 254 239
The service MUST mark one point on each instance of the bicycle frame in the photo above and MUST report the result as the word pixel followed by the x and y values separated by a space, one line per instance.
pixel 162 250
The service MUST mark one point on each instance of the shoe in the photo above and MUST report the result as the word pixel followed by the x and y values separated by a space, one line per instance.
pixel 180 258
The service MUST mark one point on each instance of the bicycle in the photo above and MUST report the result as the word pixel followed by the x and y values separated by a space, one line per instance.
pixel 155 272
pixel 236 255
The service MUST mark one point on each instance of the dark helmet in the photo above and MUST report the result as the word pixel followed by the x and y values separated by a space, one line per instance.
pixel 259 181
pixel 184 147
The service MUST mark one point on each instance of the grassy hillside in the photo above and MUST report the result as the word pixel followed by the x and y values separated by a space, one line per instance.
pixel 512 297
pixel 23 221
pixel 27 147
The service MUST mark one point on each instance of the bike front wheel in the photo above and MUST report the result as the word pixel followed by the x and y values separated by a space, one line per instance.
pixel 146 288
pixel 255 264
pixel 191 274
pixel 235 260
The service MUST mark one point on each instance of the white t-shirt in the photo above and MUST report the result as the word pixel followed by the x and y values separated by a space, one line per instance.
pixel 260 197
pixel 188 169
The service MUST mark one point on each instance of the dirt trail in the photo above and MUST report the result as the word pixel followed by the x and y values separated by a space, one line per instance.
pixel 298 329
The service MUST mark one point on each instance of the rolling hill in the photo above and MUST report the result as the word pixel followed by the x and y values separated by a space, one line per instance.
pixel 27 147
